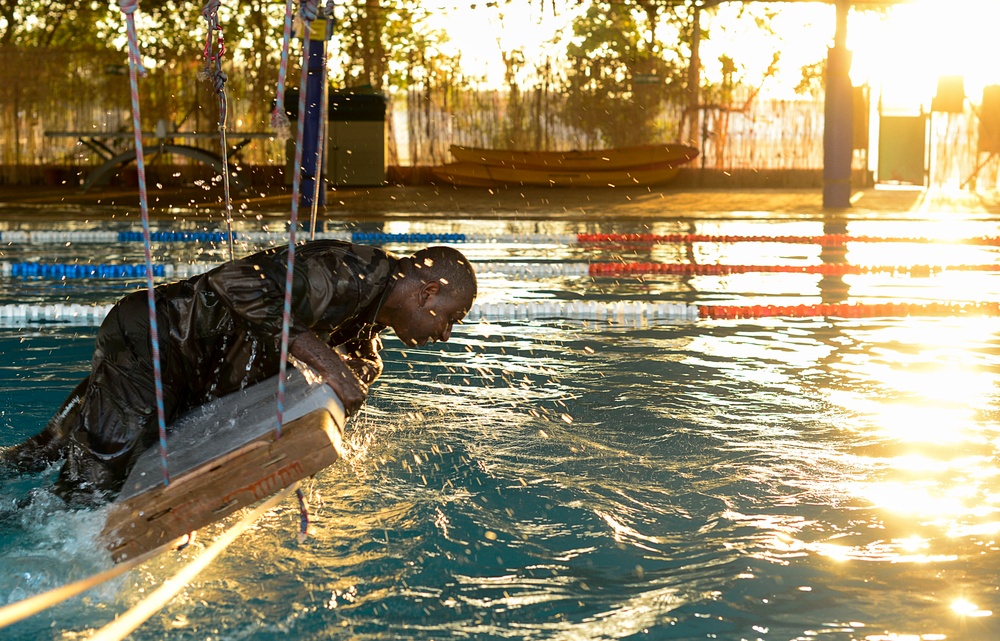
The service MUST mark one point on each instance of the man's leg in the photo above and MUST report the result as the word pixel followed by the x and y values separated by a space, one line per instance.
pixel 117 418
pixel 49 445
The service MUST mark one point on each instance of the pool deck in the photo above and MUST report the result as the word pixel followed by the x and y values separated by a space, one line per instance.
pixel 569 204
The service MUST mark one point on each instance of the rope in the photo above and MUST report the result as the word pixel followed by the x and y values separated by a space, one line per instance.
pixel 18 314
pixel 307 10
pixel 523 271
pixel 830 269
pixel 848 310
pixel 303 515
pixel 382 238
pixel 213 72
pixel 127 622
pixel 825 240
pixel 21 315
pixel 33 605
pixel 279 116
pixel 128 7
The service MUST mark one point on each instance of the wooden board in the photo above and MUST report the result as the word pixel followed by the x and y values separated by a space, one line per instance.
pixel 223 457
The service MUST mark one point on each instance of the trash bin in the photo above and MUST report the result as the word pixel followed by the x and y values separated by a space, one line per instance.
pixel 357 142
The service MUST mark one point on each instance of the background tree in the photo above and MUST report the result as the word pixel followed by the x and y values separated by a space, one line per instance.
pixel 616 75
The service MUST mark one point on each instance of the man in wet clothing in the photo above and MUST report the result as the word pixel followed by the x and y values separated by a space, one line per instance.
pixel 221 332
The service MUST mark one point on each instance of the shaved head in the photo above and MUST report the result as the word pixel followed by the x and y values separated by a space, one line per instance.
pixel 434 289
pixel 447 266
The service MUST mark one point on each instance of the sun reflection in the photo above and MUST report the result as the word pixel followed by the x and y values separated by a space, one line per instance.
pixel 966 608
pixel 931 384
pixel 920 395
pixel 939 253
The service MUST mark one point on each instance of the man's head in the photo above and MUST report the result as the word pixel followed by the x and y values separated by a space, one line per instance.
pixel 434 289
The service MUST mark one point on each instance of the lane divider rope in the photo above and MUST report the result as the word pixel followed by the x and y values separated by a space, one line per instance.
pixel 629 312
pixel 848 310
pixel 825 269
pixel 378 238
pixel 825 240
pixel 63 271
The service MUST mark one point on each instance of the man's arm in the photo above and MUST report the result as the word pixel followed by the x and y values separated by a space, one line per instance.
pixel 311 350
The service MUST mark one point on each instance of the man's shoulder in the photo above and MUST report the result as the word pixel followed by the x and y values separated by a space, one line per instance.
pixel 368 257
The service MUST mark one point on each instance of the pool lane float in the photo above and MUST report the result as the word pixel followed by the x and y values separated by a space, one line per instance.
pixel 224 456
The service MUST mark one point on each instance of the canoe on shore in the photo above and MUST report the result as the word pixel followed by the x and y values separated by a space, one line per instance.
pixel 576 160
pixel 468 174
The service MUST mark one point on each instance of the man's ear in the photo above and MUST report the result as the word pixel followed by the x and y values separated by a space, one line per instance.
pixel 428 291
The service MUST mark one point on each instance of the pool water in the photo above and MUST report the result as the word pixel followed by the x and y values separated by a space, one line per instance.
pixel 781 478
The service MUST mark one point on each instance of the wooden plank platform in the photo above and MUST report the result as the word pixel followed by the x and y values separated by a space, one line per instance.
pixel 228 457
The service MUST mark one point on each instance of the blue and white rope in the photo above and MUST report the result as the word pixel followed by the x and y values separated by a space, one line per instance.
pixel 260 237
pixel 128 8
pixel 629 312
pixel 179 271
pixel 308 10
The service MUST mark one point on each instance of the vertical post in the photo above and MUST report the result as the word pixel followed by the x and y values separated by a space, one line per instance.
pixel 313 166
pixel 838 133
pixel 693 116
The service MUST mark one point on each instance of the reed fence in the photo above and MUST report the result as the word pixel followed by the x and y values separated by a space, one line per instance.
pixel 50 90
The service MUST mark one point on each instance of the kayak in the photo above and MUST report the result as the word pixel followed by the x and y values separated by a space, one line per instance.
pixel 576 160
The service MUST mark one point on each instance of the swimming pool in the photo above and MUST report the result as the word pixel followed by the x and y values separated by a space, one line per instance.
pixel 561 477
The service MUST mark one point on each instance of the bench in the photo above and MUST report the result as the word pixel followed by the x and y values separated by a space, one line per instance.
pixel 162 143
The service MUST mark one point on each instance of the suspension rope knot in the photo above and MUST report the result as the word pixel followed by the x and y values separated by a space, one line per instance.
pixel 128 7
pixel 218 79
pixel 309 10
pixel 213 59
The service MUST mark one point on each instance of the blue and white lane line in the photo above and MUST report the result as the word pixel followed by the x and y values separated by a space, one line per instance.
pixel 179 271
pixel 267 238
pixel 615 312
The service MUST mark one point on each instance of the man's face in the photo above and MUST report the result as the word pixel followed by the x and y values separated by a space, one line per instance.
pixel 431 313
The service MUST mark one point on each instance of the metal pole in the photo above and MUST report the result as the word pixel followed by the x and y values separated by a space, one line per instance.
pixel 838 131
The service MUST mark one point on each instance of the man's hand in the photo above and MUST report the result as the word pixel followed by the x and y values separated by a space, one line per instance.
pixel 352 391
pixel 365 369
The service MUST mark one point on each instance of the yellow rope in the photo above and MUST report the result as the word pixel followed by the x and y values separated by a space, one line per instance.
pixel 23 609
pixel 140 612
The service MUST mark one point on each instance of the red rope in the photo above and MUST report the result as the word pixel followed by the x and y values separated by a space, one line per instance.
pixel 848 310
pixel 830 269
pixel 825 240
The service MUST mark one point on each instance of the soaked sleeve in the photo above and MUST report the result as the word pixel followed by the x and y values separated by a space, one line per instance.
pixel 326 290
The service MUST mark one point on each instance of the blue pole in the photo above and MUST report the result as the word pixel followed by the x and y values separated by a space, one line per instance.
pixel 314 167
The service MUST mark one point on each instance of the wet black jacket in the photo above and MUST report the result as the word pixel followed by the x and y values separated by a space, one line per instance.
pixel 219 332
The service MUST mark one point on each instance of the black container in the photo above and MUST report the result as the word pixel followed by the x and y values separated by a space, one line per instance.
pixel 344 106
